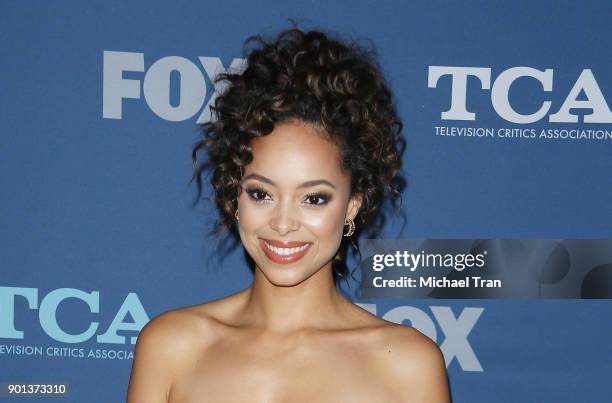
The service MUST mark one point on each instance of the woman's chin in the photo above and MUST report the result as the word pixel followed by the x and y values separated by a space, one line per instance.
pixel 283 278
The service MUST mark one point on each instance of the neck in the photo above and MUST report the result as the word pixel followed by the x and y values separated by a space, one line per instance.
pixel 314 303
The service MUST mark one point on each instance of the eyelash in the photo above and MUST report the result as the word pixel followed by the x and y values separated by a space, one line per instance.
pixel 251 191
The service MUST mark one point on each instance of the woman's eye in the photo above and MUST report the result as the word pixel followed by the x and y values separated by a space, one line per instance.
pixel 257 194
pixel 317 199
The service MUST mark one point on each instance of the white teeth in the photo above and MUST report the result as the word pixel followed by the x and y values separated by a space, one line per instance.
pixel 285 251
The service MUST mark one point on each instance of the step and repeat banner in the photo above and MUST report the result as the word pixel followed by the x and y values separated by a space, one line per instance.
pixel 503 256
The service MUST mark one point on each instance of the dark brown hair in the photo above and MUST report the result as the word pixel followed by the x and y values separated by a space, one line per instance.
pixel 325 82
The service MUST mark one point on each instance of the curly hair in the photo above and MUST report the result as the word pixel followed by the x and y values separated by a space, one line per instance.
pixel 310 77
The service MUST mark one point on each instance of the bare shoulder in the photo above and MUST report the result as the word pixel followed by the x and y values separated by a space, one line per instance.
pixel 176 330
pixel 165 346
pixel 412 363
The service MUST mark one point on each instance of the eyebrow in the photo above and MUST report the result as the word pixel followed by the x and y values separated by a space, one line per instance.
pixel 306 184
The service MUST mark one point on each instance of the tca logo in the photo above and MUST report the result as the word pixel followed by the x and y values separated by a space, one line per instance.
pixel 501 86
pixel 47 315
pixel 157 82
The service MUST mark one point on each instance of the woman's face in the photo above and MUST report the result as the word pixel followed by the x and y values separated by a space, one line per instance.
pixel 294 202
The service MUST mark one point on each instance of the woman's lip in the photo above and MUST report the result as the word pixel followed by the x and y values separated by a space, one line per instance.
pixel 284 259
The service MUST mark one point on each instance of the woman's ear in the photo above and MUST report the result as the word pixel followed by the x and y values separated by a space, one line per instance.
pixel 354 206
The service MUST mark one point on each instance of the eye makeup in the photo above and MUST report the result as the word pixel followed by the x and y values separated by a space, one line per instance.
pixel 258 194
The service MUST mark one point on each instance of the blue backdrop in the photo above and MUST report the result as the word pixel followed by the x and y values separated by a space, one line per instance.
pixel 98 234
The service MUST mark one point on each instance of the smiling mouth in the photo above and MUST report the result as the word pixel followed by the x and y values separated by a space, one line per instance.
pixel 284 255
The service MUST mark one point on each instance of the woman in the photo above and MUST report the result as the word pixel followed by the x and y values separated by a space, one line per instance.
pixel 303 148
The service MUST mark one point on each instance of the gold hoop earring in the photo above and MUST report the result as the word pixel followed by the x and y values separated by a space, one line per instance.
pixel 351 225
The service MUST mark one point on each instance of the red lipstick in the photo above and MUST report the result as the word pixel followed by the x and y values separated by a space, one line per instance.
pixel 281 256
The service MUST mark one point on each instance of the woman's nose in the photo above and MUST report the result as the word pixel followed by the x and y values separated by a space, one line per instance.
pixel 284 219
